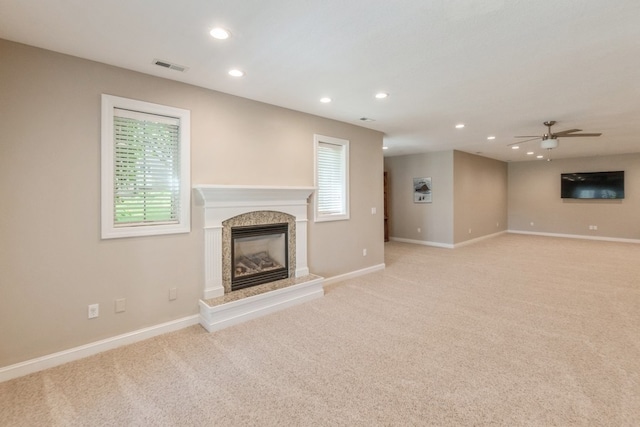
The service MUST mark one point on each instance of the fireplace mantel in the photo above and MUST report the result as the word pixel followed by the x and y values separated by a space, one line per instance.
pixel 222 202
pixel 239 196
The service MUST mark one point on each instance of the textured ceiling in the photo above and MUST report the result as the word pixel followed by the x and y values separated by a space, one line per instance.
pixel 502 67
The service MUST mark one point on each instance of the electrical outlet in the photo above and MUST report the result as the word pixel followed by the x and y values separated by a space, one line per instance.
pixel 469 231
pixel 532 223
pixel 94 311
pixel 121 305
pixel 173 294
pixel 374 211
pixel 364 252
pixel 419 230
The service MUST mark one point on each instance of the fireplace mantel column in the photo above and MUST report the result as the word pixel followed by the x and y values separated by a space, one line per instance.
pixel 301 248
pixel 213 286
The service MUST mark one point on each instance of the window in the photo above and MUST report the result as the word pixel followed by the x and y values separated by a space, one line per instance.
pixel 145 168
pixel 331 178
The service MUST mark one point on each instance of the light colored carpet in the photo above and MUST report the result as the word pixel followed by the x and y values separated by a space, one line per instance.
pixel 513 330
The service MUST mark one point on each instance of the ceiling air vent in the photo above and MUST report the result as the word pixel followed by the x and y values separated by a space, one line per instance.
pixel 169 65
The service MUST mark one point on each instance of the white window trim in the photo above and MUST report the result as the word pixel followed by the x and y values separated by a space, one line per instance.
pixel 318 217
pixel 109 231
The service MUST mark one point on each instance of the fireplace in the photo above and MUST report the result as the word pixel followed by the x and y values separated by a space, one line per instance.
pixel 259 254
pixel 278 212
pixel 228 206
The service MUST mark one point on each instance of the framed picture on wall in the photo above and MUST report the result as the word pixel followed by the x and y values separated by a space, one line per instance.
pixel 422 190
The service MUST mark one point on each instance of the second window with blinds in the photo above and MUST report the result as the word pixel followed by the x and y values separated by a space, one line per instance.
pixel 331 178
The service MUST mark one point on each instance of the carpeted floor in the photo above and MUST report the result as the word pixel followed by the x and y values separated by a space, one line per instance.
pixel 513 330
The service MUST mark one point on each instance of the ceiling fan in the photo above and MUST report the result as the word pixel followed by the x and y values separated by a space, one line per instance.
pixel 549 140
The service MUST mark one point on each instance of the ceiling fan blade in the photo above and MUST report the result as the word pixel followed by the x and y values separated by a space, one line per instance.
pixel 527 136
pixel 564 132
pixel 520 142
pixel 577 134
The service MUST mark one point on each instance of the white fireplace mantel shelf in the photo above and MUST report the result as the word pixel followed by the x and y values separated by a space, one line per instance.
pixel 252 196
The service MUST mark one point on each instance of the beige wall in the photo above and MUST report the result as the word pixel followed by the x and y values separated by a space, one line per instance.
pixel 52 261
pixel 435 219
pixel 469 192
pixel 480 196
pixel 534 197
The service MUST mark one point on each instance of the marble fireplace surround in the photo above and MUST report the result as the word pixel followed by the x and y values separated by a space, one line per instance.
pixel 219 308
pixel 254 219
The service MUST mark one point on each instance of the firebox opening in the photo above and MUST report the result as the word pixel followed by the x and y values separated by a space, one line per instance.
pixel 259 254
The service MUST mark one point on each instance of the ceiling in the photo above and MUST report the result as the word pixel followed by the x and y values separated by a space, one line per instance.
pixel 501 67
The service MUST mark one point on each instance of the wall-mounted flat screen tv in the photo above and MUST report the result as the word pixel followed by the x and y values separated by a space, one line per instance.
pixel 592 185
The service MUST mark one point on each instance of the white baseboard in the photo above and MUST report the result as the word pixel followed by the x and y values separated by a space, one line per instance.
pixel 422 242
pixel 576 236
pixel 352 274
pixel 65 356
pixel 445 245
pixel 478 239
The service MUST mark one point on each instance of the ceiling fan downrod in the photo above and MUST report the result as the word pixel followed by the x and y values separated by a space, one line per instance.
pixel 548 124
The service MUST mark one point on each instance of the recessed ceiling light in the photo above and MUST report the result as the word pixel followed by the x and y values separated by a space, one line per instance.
pixel 459 125
pixel 515 147
pixel 529 153
pixel 219 33
pixel 236 73
pixel 381 95
pixel 325 100
pixel 539 157
pixel 491 137
pixel 385 148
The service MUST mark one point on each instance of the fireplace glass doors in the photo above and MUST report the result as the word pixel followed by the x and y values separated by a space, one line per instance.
pixel 259 254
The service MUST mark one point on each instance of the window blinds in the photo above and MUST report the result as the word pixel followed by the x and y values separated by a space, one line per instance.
pixel 331 178
pixel 146 168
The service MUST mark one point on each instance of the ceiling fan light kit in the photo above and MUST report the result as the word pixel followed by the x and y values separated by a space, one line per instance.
pixel 549 143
